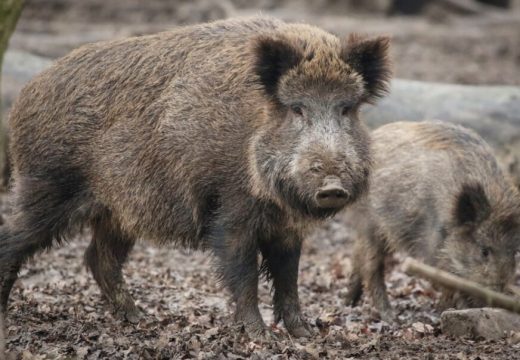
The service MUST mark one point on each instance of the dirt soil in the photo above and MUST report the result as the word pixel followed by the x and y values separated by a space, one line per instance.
pixel 56 310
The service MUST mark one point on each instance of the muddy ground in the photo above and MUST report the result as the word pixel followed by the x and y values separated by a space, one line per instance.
pixel 56 309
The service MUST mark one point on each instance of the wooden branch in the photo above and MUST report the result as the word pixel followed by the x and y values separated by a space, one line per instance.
pixel 453 282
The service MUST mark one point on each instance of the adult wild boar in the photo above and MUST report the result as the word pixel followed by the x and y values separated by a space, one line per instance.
pixel 235 136
pixel 437 193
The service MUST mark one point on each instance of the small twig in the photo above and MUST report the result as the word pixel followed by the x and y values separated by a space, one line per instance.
pixel 450 281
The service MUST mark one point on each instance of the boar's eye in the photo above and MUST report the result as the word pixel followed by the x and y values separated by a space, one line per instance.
pixel 345 110
pixel 297 109
pixel 346 107
pixel 485 251
pixel 316 168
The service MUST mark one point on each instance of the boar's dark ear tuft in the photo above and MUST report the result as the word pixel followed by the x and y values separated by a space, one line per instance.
pixel 274 57
pixel 509 224
pixel 369 57
pixel 472 205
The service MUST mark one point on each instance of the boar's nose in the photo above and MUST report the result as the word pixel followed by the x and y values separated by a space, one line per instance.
pixel 331 195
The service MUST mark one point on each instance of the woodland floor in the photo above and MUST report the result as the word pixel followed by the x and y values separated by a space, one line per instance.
pixel 56 309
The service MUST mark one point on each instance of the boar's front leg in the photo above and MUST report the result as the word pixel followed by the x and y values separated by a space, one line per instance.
pixel 373 248
pixel 238 267
pixel 281 260
pixel 355 281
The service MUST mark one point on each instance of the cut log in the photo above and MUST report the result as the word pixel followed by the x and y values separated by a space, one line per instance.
pixel 18 69
pixel 492 111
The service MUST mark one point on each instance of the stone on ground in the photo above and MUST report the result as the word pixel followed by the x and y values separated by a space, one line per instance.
pixel 487 323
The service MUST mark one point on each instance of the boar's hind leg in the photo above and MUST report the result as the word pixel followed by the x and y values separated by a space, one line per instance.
pixel 12 257
pixel 105 256
pixel 43 211
pixel 281 264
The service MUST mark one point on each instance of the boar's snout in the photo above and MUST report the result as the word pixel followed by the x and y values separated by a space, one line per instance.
pixel 332 195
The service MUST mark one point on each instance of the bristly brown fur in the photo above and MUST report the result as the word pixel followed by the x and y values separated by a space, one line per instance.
pixel 370 58
pixel 274 58
pixel 215 136
pixel 472 205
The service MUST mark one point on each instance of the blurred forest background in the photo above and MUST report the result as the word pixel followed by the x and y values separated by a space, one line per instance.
pixel 460 41
pixel 56 309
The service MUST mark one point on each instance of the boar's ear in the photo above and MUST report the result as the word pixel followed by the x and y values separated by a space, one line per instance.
pixel 509 224
pixel 273 58
pixel 370 59
pixel 472 205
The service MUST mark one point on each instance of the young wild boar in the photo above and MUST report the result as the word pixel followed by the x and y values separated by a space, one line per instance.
pixel 438 193
pixel 235 136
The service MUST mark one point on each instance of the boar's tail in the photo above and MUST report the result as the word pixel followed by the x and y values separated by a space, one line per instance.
pixel 15 249
pixel 18 246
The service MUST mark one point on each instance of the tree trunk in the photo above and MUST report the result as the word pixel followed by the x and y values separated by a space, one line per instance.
pixel 9 13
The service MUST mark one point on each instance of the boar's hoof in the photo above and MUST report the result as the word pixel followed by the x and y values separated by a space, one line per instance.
pixel 255 328
pixel 261 333
pixel 353 296
pixel 388 316
pixel 132 315
pixel 302 329
pixel 295 324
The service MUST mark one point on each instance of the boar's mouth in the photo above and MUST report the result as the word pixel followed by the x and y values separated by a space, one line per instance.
pixel 306 204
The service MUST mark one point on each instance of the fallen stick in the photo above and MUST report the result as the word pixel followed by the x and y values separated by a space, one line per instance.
pixel 453 282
